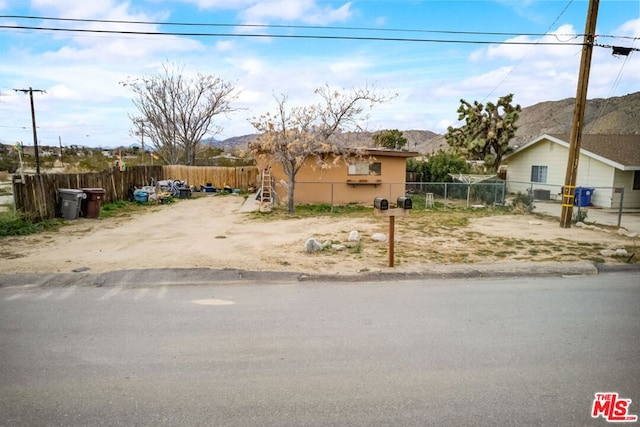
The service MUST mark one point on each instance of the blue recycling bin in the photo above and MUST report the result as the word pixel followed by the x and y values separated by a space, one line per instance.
pixel 583 196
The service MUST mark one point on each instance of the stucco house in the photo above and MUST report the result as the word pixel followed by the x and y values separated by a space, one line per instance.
pixel 607 163
pixel 356 179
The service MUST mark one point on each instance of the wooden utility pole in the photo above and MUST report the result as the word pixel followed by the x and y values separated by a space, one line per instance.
pixel 569 189
pixel 33 123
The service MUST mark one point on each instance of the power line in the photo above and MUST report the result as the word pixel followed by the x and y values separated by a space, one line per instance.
pixel 508 74
pixel 284 36
pixel 306 27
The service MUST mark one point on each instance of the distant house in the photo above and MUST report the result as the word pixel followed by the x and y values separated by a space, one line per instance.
pixel 606 163
pixel 359 179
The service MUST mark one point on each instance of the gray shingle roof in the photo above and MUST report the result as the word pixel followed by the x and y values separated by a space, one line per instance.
pixel 622 149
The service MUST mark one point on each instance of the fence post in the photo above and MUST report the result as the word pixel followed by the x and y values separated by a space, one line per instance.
pixel 531 197
pixel 332 199
pixel 620 207
pixel 504 193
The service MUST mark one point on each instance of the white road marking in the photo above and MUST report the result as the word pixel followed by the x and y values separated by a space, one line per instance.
pixel 162 292
pixel 141 293
pixel 67 292
pixel 213 301
pixel 112 292
pixel 14 297
pixel 44 295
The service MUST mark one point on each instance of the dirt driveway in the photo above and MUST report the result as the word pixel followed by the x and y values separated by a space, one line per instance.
pixel 209 232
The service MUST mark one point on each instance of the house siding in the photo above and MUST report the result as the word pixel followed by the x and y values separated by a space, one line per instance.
pixel 631 197
pixel 591 173
pixel 545 153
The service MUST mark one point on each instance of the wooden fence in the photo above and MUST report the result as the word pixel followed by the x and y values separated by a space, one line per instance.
pixel 36 196
pixel 236 177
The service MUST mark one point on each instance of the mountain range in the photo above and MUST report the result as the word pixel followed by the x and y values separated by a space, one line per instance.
pixel 615 115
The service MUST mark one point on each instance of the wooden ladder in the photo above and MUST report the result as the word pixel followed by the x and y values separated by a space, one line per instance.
pixel 266 187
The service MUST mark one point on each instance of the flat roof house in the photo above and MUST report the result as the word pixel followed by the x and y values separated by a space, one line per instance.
pixel 355 179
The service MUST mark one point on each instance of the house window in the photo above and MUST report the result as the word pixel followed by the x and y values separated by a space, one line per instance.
pixel 364 168
pixel 539 174
pixel 636 180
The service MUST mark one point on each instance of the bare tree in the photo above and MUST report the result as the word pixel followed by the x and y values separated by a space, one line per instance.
pixel 294 134
pixel 178 112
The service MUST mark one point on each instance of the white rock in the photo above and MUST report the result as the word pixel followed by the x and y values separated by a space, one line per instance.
pixel 327 244
pixel 621 252
pixel 354 236
pixel 627 233
pixel 379 237
pixel 337 247
pixel 312 245
pixel 580 224
pixel 607 252
pixel 535 223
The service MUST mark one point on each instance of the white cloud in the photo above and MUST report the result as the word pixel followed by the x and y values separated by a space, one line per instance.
pixel 349 68
pixel 75 8
pixel 225 45
pixel 262 11
pixel 630 28
pixel 220 4
pixel 306 11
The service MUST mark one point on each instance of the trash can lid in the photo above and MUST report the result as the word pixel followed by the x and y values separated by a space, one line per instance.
pixel 93 190
pixel 69 190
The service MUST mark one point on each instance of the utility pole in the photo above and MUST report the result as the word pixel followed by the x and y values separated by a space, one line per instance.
pixel 569 189
pixel 61 155
pixel 33 123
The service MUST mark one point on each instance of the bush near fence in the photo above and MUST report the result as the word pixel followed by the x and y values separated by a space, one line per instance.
pixel 36 196
pixel 487 192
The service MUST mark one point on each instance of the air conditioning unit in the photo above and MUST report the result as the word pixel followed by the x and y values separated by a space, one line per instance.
pixel 539 194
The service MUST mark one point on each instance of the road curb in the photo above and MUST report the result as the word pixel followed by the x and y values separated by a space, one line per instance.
pixel 202 276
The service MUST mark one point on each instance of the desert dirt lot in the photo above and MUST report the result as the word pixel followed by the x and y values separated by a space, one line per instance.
pixel 210 232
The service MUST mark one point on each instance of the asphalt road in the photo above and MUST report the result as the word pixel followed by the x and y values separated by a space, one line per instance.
pixel 483 352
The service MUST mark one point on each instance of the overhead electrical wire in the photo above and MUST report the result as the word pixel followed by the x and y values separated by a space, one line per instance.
pixel 508 74
pixel 308 27
pixel 276 26
pixel 288 36
pixel 283 36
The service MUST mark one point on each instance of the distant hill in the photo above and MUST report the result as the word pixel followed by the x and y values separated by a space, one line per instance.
pixel 616 115
pixel 417 140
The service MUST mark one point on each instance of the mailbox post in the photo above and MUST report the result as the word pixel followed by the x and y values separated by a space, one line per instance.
pixel 382 208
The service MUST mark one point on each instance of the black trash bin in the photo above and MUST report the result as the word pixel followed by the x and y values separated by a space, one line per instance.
pixel 184 192
pixel 91 204
pixel 70 201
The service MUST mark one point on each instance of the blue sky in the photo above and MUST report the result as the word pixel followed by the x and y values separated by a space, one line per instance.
pixel 85 105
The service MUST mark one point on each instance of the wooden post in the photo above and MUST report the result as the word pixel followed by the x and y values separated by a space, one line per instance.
pixel 392 214
pixel 392 238
pixel 569 189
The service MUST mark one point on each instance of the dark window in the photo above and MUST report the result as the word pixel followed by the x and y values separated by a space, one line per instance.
pixel 364 168
pixel 636 180
pixel 539 174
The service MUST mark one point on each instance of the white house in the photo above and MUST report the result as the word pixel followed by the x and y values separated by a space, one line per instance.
pixel 607 163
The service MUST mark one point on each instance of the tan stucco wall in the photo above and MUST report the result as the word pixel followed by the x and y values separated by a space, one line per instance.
pixel 329 185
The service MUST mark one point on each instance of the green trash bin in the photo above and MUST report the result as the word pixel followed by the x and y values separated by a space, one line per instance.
pixel 70 200
pixel 91 204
